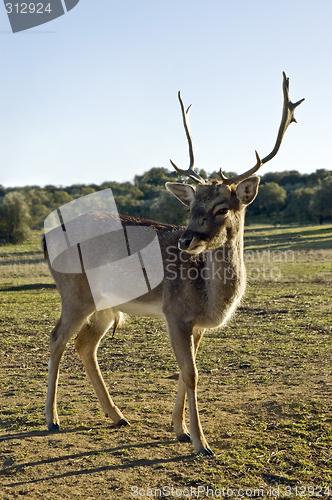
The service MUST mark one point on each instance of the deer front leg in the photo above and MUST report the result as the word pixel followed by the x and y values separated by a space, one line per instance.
pixel 178 415
pixel 178 421
pixel 182 340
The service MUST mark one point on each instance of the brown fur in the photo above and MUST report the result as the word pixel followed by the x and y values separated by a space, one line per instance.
pixel 202 286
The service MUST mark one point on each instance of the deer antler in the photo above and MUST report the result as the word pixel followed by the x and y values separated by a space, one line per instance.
pixel 238 178
pixel 286 119
pixel 190 172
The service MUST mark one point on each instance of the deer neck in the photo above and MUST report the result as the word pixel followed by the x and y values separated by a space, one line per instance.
pixel 231 249
pixel 227 274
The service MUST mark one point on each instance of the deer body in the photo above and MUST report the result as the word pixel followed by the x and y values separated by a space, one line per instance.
pixel 204 281
pixel 202 293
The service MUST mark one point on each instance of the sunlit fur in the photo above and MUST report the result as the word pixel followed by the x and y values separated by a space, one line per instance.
pixel 202 286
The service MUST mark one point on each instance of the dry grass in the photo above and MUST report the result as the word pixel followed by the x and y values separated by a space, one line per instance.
pixel 264 391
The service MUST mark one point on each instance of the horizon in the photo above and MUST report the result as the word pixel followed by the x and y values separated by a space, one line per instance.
pixel 58 186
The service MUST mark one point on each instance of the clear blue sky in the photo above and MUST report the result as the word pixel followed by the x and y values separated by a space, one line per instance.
pixel 92 95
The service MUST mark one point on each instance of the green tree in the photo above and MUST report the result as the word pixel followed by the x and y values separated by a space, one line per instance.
pixel 292 180
pixel 298 205
pixel 156 176
pixel 167 209
pixel 321 202
pixel 275 177
pixel 318 176
pixel 216 175
pixel 127 205
pixel 61 197
pixel 15 219
pixel 39 202
pixel 78 190
pixel 271 198
pixel 152 182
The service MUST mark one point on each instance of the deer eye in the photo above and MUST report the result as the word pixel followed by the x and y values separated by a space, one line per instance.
pixel 222 211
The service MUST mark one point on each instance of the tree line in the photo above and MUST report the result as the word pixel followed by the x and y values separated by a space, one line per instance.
pixel 284 197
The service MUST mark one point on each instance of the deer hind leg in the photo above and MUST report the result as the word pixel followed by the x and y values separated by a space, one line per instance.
pixel 65 328
pixel 183 342
pixel 86 344
pixel 178 415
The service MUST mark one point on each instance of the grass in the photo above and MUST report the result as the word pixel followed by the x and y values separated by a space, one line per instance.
pixel 264 385
pixel 292 237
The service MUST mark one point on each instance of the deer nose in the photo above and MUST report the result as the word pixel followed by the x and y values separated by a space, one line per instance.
pixel 184 243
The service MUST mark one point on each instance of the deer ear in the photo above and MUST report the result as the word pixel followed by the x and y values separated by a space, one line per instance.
pixel 183 192
pixel 247 190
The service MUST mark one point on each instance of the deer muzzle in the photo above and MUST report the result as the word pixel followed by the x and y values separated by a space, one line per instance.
pixel 184 243
pixel 191 242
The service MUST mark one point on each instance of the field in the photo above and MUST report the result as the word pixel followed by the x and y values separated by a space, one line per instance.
pixel 264 388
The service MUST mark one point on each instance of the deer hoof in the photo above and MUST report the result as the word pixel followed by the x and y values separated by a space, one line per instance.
pixel 205 452
pixel 122 423
pixel 184 438
pixel 53 427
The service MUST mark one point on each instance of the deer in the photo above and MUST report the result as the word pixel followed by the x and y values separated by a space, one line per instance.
pixel 209 252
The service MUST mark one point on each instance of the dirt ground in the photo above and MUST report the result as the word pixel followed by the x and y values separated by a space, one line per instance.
pixel 264 399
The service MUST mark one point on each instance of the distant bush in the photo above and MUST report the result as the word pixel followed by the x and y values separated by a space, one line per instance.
pixel 321 201
pixel 15 219
pixel 271 198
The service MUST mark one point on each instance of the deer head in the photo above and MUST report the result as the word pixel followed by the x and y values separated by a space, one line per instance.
pixel 217 208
